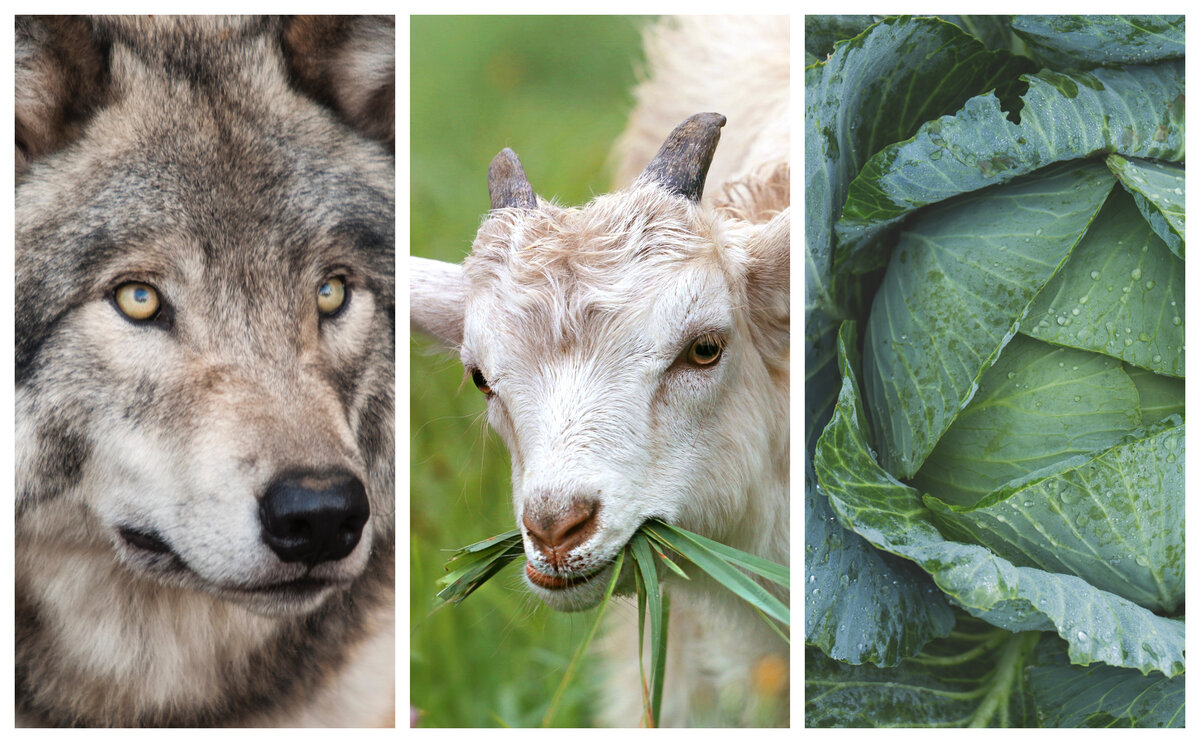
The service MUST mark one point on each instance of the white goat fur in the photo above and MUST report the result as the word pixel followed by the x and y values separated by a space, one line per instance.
pixel 578 319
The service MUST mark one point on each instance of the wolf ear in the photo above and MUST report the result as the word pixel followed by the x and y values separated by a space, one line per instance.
pixel 61 79
pixel 768 287
pixel 349 64
pixel 437 293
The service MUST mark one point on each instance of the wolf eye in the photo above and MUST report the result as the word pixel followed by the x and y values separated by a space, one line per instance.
pixel 137 301
pixel 706 350
pixel 480 382
pixel 331 296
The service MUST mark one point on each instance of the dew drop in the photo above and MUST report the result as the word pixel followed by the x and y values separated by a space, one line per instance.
pixel 1083 636
pixel 1135 274
pixel 1157 359
pixel 1075 311
pixel 1149 284
pixel 1095 275
pixel 1083 299
pixel 1012 375
pixel 1175 320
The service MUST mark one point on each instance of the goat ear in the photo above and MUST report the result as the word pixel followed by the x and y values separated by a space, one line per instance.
pixel 61 78
pixel 437 294
pixel 681 165
pixel 347 63
pixel 769 287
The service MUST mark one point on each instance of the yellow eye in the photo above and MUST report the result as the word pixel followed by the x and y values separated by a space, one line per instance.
pixel 331 295
pixel 706 349
pixel 137 301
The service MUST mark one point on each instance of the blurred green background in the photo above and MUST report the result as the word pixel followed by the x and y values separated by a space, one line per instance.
pixel 557 91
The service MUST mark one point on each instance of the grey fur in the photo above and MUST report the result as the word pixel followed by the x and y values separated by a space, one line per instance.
pixel 234 164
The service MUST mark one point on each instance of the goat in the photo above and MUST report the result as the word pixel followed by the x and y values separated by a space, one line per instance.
pixel 633 353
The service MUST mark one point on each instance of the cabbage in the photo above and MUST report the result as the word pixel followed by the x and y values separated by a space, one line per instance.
pixel 994 336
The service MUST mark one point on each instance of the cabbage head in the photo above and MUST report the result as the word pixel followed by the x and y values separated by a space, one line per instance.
pixel 994 357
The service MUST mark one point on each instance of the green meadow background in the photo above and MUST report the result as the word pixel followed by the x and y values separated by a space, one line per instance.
pixel 557 91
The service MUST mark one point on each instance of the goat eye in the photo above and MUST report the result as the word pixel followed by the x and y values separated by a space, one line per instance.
pixel 705 350
pixel 480 382
pixel 137 301
pixel 331 296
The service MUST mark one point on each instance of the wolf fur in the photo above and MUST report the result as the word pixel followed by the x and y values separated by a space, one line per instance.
pixel 236 166
pixel 576 323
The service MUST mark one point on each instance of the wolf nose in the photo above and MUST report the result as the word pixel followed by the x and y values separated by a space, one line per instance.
pixel 555 533
pixel 313 517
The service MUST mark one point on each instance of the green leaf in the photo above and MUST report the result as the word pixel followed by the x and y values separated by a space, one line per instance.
pixel 1159 396
pixel 1158 188
pixel 875 89
pixel 994 31
pixel 821 32
pixel 1072 696
pixel 1114 519
pixel 1135 111
pixel 961 277
pixel 1120 294
pixel 862 605
pixel 1038 405
pixel 1097 625
pixel 1081 41
pixel 972 678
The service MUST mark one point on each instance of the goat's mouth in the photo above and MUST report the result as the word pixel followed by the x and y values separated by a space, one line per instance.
pixel 571 592
pixel 558 582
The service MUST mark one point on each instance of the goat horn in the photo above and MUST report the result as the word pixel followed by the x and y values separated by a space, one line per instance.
pixel 507 184
pixel 681 165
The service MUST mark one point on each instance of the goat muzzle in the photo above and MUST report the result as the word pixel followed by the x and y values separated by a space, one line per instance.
pixel 554 533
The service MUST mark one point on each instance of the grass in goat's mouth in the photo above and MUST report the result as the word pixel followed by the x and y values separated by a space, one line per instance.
pixel 472 566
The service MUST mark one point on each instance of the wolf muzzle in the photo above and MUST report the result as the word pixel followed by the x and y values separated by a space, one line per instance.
pixel 313 517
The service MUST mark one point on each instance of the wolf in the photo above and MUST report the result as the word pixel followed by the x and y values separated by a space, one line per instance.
pixel 633 356
pixel 205 322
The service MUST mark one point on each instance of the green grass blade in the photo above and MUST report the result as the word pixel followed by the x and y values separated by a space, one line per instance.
pixel 723 572
pixel 640 589
pixel 662 556
pixel 660 659
pixel 773 625
pixel 774 572
pixel 513 536
pixel 474 565
pixel 570 673
pixel 643 556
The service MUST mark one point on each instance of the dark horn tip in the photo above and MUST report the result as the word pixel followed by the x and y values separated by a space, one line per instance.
pixel 507 184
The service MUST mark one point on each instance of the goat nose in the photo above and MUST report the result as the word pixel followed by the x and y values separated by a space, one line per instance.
pixel 562 531
pixel 313 517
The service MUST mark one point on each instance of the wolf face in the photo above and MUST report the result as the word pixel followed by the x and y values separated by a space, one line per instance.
pixel 205 324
